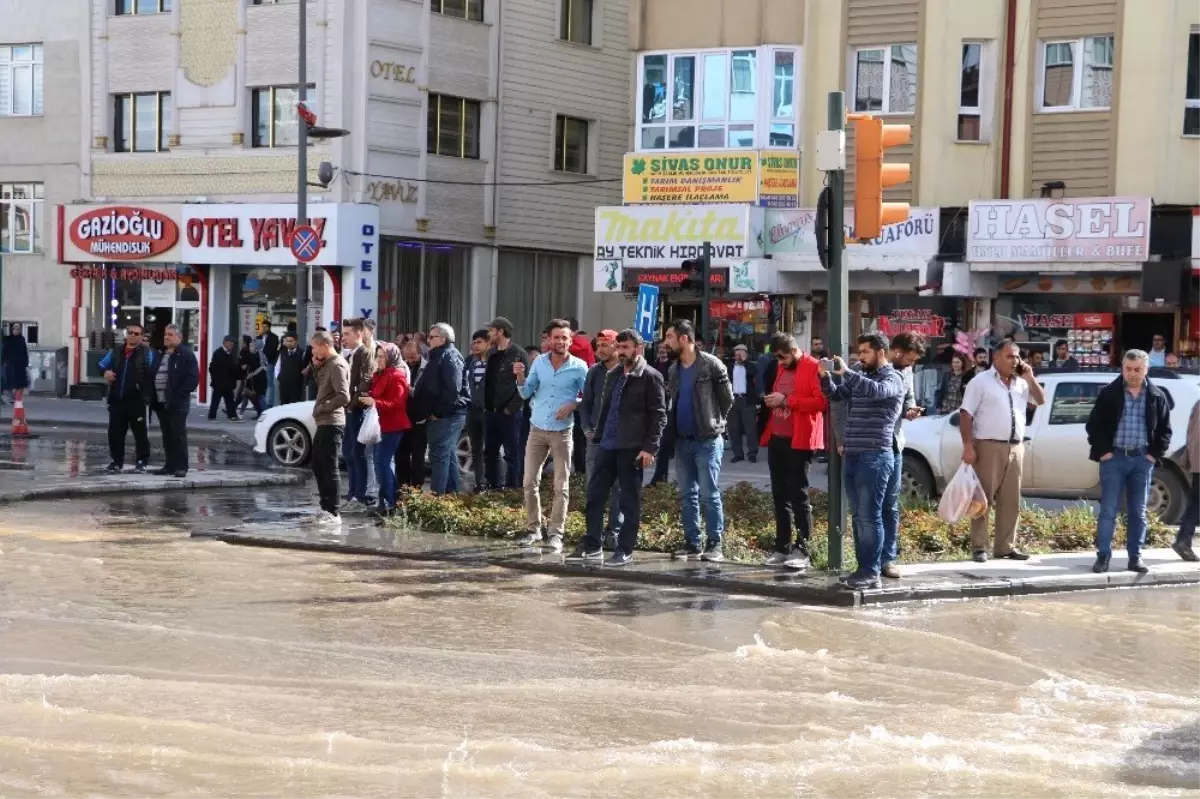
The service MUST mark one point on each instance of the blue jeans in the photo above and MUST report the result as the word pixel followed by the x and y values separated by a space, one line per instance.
pixel 866 477
pixel 1125 476
pixel 272 399
pixel 698 472
pixel 442 436
pixel 355 455
pixel 501 430
pixel 891 512
pixel 385 468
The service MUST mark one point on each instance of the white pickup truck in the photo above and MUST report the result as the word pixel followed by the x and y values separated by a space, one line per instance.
pixel 1056 447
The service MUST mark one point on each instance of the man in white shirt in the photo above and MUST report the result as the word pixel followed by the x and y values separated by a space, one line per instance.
pixel 743 418
pixel 992 425
pixel 1158 352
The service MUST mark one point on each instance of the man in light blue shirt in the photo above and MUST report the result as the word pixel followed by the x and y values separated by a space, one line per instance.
pixel 553 388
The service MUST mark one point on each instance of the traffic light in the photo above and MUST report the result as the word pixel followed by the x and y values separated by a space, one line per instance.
pixel 693 275
pixel 872 176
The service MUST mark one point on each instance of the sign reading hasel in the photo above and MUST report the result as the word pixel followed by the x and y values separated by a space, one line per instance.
pixel 1076 229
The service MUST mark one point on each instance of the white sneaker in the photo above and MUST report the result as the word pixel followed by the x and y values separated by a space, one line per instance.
pixel 555 543
pixel 778 558
pixel 325 518
pixel 352 506
pixel 529 540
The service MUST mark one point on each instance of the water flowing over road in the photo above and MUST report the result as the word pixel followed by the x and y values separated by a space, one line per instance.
pixel 136 661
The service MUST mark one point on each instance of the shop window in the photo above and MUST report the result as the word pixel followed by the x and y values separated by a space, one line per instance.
pixel 453 126
pixel 534 287
pixel 1073 402
pixel 423 283
pixel 21 80
pixel 124 7
pixel 717 99
pixel 22 210
pixel 275 122
pixel 260 292
pixel 1076 74
pixel 141 122
pixel 885 79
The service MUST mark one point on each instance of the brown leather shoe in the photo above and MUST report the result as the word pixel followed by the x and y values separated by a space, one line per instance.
pixel 890 569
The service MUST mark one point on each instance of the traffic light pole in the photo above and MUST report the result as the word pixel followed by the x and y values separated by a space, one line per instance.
pixel 706 293
pixel 302 270
pixel 838 327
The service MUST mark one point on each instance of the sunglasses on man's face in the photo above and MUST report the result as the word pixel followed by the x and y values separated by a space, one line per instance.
pixel 133 332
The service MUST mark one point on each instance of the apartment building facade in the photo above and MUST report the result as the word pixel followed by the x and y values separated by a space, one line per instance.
pixel 1022 112
pixel 478 133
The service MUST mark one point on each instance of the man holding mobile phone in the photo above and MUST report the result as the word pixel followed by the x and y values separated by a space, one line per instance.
pixel 907 349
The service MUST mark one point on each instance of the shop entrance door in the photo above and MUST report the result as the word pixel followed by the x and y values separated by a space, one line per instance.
pixel 188 320
pixel 1139 329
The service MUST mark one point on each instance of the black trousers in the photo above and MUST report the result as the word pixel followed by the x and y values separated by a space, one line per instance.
pixel 124 416
pixel 578 447
pixel 173 425
pixel 789 488
pixel 410 458
pixel 502 431
pixel 611 466
pixel 289 392
pixel 475 435
pixel 219 394
pixel 327 444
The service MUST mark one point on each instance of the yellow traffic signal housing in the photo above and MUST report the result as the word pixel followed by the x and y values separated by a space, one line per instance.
pixel 872 176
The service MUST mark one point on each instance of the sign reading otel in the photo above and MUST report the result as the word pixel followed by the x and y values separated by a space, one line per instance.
pixel 1046 230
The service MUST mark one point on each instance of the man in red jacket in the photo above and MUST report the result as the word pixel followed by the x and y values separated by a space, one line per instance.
pixel 792 430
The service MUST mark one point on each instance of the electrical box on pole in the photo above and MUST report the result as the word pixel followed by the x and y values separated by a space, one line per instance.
pixel 872 138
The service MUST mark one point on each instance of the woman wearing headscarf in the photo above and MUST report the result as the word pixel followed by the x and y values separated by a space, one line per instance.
pixel 389 397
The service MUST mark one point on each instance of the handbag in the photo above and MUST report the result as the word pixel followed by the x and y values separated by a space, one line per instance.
pixel 370 433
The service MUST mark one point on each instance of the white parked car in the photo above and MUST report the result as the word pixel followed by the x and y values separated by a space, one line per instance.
pixel 1056 448
pixel 286 432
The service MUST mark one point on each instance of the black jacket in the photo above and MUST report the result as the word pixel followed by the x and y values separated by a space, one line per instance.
pixel 753 390
pixel 507 398
pixel 442 389
pixel 183 375
pixel 252 368
pixel 291 366
pixel 135 375
pixel 269 347
pixel 1106 415
pixel 224 371
pixel 593 393
pixel 643 408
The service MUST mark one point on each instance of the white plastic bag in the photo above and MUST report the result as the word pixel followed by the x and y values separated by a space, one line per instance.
pixel 964 496
pixel 370 433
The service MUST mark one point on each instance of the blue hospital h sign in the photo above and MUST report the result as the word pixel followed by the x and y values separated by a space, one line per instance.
pixel 645 319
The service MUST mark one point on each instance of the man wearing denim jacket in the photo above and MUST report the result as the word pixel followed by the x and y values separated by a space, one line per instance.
pixel 875 395
pixel 553 386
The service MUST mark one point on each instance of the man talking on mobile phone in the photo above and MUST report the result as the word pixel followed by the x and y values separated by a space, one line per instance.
pixel 992 425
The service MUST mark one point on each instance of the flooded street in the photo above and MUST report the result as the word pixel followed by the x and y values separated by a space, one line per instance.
pixel 137 661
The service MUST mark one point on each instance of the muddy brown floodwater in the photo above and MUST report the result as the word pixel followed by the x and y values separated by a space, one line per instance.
pixel 136 661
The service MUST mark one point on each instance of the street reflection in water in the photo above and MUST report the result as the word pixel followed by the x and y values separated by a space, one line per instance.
pixel 137 661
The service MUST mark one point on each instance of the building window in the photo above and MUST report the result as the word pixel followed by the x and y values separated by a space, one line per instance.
pixel 21 80
pixel 141 122
pixel 464 9
pixel 1072 83
pixel 570 144
pixel 21 214
pixel 969 108
pixel 534 286
pixel 716 99
pixel 885 79
pixel 143 7
pixel 453 126
pixel 274 119
pixel 575 24
pixel 421 283
pixel 1191 108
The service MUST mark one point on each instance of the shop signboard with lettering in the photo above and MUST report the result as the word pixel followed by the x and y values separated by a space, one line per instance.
pixel 259 234
pixel 791 232
pixel 1106 229
pixel 718 176
pixel 667 235
pixel 120 233
pixel 913 320
pixel 671 279
pixel 779 178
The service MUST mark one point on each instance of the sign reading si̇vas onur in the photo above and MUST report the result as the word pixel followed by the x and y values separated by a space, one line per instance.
pixel 695 177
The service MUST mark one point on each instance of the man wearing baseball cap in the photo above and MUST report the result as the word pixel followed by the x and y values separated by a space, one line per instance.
pixel 502 405
pixel 589 413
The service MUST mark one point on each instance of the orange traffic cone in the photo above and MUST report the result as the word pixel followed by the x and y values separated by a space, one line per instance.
pixel 20 429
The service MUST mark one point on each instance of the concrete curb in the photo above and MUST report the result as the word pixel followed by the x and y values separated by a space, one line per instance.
pixel 120 485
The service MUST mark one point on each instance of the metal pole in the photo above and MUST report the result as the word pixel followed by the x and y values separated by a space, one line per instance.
pixel 838 327
pixel 302 331
pixel 706 294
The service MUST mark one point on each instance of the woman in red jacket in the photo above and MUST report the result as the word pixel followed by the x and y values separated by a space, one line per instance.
pixel 389 396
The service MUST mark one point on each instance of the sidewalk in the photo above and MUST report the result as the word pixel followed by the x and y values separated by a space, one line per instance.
pixel 49 414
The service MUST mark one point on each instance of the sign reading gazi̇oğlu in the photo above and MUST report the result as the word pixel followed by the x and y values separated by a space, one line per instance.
pixel 694 177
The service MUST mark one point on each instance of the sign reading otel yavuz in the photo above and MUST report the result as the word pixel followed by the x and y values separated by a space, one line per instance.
pixel 1076 229
pixel 120 233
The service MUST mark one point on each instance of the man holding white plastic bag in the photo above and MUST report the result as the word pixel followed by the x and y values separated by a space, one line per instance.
pixel 992 425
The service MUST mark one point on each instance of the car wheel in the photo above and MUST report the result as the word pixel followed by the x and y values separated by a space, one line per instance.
pixel 289 443
pixel 463 453
pixel 1167 495
pixel 916 479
